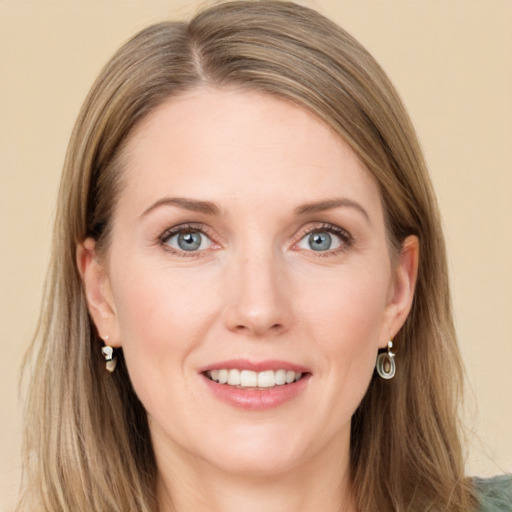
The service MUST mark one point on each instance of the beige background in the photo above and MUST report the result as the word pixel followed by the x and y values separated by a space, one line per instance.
pixel 452 62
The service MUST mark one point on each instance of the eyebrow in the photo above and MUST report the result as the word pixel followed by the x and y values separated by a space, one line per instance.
pixel 193 205
pixel 209 208
pixel 330 204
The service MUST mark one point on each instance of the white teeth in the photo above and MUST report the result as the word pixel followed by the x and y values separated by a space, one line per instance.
pixel 250 379
pixel 234 378
pixel 280 377
pixel 266 379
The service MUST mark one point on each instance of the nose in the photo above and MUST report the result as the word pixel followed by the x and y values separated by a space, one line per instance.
pixel 259 295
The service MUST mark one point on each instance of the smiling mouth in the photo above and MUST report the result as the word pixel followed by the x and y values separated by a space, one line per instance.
pixel 247 379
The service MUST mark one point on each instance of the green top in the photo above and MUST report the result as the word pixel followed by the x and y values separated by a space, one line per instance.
pixel 495 493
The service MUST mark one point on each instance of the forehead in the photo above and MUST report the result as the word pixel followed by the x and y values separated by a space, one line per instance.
pixel 220 144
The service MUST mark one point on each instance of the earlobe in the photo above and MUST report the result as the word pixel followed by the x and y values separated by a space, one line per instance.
pixel 97 290
pixel 404 284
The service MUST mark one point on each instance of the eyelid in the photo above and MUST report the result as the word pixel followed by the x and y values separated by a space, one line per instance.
pixel 346 238
pixel 180 228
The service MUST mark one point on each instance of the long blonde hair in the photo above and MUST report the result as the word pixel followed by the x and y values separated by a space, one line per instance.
pixel 87 444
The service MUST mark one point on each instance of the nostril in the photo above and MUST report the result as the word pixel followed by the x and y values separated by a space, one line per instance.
pixel 259 330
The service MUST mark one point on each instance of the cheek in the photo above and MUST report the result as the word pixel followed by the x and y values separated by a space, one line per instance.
pixel 162 318
pixel 161 315
pixel 349 309
pixel 347 321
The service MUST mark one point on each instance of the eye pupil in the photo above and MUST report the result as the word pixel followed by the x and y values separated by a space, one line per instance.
pixel 189 241
pixel 320 241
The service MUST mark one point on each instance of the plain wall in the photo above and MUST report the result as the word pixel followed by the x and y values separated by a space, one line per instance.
pixel 451 61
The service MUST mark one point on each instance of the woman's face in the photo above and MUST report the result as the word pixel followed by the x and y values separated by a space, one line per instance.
pixel 248 244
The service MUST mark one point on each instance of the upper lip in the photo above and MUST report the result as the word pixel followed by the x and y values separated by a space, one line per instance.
pixel 255 366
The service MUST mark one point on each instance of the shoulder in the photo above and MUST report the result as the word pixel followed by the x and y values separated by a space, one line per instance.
pixel 495 494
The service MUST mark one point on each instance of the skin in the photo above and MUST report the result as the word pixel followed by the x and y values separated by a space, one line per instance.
pixel 255 290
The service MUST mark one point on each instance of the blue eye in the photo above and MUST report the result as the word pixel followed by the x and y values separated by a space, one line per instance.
pixel 322 240
pixel 188 240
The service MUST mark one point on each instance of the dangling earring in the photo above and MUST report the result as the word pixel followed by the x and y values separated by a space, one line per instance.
pixel 385 364
pixel 109 356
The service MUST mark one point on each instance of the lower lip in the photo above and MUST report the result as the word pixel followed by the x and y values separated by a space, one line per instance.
pixel 257 400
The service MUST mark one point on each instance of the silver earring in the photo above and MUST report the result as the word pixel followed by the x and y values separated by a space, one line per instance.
pixel 109 356
pixel 385 364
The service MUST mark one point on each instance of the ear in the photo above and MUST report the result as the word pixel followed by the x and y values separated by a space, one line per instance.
pixel 402 288
pixel 98 292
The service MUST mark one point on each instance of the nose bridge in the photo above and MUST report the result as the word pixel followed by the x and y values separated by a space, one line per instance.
pixel 258 304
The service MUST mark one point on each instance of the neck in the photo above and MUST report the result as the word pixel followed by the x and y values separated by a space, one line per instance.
pixel 319 484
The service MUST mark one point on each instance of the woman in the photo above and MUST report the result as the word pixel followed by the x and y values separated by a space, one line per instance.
pixel 247 304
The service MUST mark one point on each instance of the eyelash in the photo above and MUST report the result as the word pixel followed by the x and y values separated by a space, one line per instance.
pixel 346 239
pixel 344 236
pixel 183 228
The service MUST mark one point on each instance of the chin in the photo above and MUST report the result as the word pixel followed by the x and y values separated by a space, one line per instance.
pixel 259 454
